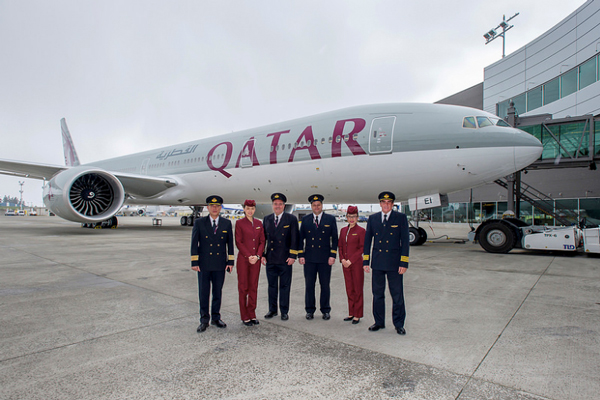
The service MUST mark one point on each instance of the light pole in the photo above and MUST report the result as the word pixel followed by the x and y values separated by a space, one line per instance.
pixel 21 191
pixel 492 34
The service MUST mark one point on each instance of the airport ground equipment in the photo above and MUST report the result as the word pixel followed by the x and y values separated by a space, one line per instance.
pixel 501 236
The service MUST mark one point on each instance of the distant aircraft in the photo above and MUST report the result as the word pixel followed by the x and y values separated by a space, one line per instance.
pixel 418 151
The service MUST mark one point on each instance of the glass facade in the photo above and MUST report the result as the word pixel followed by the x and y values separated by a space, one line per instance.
pixel 478 212
pixel 573 139
pixel 559 87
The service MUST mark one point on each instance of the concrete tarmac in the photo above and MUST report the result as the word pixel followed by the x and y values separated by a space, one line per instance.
pixel 112 314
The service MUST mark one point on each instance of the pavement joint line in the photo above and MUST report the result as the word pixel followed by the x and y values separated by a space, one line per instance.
pixel 502 331
pixel 96 338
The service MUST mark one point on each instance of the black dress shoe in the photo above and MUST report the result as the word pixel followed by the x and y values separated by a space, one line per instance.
pixel 310 315
pixel 255 322
pixel 202 327
pixel 355 321
pixel 271 314
pixel 284 317
pixel 219 323
pixel 248 323
pixel 401 331
pixel 326 316
pixel 348 318
pixel 375 327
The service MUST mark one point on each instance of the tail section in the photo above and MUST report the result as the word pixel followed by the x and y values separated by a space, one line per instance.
pixel 71 159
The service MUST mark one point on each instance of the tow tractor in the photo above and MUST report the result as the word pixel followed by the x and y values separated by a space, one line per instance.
pixel 501 236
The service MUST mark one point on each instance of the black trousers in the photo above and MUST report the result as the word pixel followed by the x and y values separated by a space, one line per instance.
pixel 206 279
pixel 311 271
pixel 395 283
pixel 279 277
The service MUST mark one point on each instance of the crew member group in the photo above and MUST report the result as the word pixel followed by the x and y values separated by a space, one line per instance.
pixel 279 240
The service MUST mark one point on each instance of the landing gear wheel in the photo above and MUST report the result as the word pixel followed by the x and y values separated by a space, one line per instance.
pixel 190 220
pixel 423 236
pixel 183 221
pixel 497 238
pixel 414 236
pixel 114 222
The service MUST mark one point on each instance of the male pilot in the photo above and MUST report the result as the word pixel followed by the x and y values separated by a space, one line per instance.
pixel 212 255
pixel 388 232
pixel 281 250
pixel 318 250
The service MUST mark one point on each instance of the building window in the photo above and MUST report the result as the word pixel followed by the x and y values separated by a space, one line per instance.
pixel 520 107
pixel 568 83
pixel 551 91
pixel 503 108
pixel 587 73
pixel 534 98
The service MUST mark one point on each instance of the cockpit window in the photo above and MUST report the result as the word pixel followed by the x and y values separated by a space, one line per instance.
pixel 502 122
pixel 469 122
pixel 483 122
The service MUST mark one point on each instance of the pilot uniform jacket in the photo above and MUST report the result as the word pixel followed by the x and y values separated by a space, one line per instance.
pixel 212 251
pixel 281 241
pixel 390 243
pixel 318 244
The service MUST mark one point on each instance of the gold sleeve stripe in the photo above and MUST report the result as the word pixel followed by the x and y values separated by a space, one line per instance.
pixel 194 258
pixel 365 257
pixel 404 259
pixel 231 258
pixel 334 251
pixel 293 251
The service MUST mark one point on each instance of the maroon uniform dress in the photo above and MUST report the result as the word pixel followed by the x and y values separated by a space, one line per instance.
pixel 351 246
pixel 250 241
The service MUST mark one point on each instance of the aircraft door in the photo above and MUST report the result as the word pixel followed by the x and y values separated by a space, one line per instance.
pixel 144 167
pixel 381 135
pixel 248 154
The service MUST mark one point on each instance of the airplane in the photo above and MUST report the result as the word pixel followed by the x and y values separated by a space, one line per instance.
pixel 419 151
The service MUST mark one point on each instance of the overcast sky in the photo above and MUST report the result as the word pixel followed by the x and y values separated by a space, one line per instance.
pixel 135 75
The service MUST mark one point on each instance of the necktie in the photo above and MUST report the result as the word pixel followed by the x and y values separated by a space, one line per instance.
pixel 317 222
pixel 276 221
pixel 214 226
pixel 385 219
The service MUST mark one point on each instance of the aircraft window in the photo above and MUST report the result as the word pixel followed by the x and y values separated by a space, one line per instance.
pixel 483 122
pixel 338 139
pixel 289 146
pixel 308 142
pixel 355 136
pixel 296 145
pixel 272 148
pixel 499 122
pixel 330 140
pixel 469 122
pixel 346 138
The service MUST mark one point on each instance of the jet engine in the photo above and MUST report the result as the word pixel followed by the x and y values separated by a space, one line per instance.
pixel 84 194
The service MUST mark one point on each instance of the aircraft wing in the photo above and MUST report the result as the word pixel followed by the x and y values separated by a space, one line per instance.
pixel 134 184
pixel 29 170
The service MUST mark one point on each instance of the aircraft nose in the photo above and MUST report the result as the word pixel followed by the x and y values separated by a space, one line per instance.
pixel 527 149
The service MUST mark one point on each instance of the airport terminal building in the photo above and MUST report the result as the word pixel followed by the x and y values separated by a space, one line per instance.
pixel 554 86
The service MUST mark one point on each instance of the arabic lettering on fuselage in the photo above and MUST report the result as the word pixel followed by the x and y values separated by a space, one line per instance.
pixel 305 141
pixel 176 152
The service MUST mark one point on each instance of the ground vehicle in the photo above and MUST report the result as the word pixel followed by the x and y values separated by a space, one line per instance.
pixel 33 213
pixel 501 236
pixel 9 213
pixel 21 213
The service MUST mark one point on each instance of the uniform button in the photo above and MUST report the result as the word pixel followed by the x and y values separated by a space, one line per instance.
pixel 210 254
pixel 386 251
pixel 211 245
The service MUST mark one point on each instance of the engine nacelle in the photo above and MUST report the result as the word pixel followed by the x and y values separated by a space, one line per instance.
pixel 84 194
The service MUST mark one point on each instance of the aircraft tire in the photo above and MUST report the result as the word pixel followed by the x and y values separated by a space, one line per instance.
pixel 414 236
pixel 423 238
pixel 190 220
pixel 114 222
pixel 183 221
pixel 497 238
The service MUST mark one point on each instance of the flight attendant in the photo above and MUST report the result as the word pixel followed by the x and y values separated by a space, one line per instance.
pixel 351 246
pixel 387 232
pixel 250 241
pixel 318 251
pixel 212 255
pixel 281 251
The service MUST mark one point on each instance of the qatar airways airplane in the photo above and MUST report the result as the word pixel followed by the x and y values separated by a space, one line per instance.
pixel 420 152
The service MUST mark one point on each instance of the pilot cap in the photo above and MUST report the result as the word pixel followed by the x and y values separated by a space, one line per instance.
pixel 279 196
pixel 352 210
pixel 387 196
pixel 218 200
pixel 315 197
pixel 249 203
